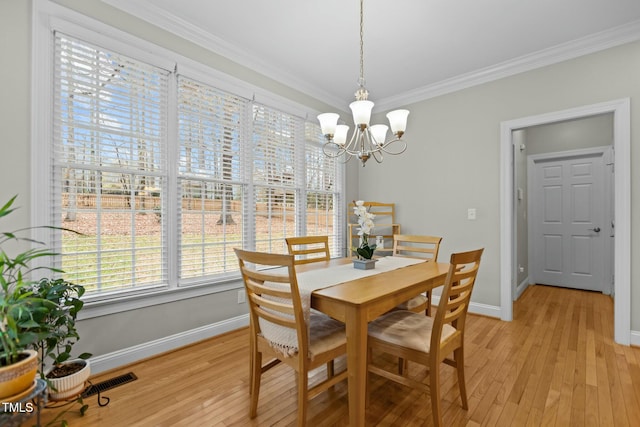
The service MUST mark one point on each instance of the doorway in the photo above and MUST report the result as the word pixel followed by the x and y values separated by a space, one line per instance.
pixel 622 209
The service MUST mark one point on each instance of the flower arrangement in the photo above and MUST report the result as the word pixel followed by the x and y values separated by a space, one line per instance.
pixel 365 221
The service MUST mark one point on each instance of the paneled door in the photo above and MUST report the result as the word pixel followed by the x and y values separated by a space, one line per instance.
pixel 567 220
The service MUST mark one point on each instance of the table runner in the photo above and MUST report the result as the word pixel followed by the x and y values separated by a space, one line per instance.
pixel 285 339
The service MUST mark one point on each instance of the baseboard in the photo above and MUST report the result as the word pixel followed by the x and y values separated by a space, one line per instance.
pixel 476 308
pixel 142 351
pixel 521 288
pixel 635 338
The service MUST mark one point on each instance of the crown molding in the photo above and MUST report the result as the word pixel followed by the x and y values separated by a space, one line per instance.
pixel 583 46
pixel 146 10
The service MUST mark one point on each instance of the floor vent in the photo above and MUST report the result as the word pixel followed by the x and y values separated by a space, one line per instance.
pixel 109 384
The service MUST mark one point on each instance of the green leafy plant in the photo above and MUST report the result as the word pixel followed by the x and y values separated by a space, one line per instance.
pixel 36 314
pixel 19 307
pixel 57 326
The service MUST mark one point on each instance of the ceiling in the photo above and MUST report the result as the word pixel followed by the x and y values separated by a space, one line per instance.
pixel 413 49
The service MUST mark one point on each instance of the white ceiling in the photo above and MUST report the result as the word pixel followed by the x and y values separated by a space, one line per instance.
pixel 413 49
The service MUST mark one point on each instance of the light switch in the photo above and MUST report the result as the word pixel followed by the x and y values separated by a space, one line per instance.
pixel 471 214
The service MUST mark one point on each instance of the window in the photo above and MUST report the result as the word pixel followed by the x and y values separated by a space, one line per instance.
pixel 274 180
pixel 109 166
pixel 323 194
pixel 209 178
pixel 157 175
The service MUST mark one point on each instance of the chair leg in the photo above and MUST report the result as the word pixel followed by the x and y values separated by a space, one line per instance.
pixel 368 390
pixel 458 356
pixel 256 373
pixel 251 374
pixel 403 366
pixel 330 370
pixel 434 379
pixel 303 395
pixel 428 310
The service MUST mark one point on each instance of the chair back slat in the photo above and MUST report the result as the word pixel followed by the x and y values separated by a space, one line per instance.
pixel 415 245
pixel 273 296
pixel 455 298
pixel 308 249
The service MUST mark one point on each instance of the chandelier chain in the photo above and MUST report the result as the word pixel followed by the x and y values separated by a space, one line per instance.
pixel 361 82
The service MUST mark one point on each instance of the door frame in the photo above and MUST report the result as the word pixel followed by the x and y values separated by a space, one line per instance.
pixel 621 110
pixel 605 154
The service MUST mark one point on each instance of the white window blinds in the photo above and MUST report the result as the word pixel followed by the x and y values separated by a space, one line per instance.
pixel 157 176
pixel 109 167
pixel 323 201
pixel 210 172
pixel 276 137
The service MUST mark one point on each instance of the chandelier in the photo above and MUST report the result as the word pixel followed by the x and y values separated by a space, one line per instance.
pixel 366 141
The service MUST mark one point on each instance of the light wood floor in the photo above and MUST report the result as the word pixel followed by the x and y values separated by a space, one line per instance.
pixel 555 365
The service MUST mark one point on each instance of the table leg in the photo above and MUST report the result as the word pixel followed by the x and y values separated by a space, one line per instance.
pixel 356 328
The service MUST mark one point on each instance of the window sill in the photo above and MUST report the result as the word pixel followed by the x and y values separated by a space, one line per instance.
pixel 130 302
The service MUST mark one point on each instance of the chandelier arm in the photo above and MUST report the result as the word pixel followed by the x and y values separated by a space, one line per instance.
pixel 352 146
pixel 346 156
pixel 377 155
pixel 335 149
pixel 385 146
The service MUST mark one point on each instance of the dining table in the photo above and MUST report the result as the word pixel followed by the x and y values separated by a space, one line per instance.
pixel 358 301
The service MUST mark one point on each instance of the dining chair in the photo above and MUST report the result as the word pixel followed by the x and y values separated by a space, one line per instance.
pixel 274 301
pixel 430 340
pixel 418 247
pixel 308 249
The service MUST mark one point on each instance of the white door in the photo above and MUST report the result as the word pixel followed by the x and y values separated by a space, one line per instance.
pixel 568 226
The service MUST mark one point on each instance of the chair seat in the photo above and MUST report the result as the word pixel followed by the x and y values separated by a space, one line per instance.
pixel 407 329
pixel 325 334
pixel 417 301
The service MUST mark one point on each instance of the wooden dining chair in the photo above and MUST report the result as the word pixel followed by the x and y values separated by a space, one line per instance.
pixel 430 340
pixel 418 247
pixel 274 300
pixel 308 249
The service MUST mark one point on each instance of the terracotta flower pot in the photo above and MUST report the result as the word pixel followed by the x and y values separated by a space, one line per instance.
pixel 71 385
pixel 19 376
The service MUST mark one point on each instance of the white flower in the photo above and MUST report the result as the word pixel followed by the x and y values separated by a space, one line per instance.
pixel 365 218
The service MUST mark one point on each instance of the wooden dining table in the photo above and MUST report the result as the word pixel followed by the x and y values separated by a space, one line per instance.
pixel 357 302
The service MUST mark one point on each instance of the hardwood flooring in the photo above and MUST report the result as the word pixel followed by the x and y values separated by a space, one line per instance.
pixel 555 365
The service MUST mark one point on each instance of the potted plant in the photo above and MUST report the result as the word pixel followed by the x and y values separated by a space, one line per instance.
pixel 18 306
pixel 57 326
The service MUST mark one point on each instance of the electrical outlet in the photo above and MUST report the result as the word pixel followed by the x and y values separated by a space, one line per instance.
pixel 242 296
pixel 471 214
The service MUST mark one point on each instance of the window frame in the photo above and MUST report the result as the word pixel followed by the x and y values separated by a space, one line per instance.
pixel 48 18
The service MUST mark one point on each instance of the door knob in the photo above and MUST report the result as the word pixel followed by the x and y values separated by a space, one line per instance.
pixel 597 229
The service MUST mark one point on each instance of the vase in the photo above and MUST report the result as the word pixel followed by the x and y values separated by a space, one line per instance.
pixel 364 264
pixel 18 377
pixel 67 387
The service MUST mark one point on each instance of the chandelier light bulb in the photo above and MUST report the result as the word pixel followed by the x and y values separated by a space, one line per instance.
pixel 398 121
pixel 361 112
pixel 328 122
pixel 379 134
pixel 340 136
